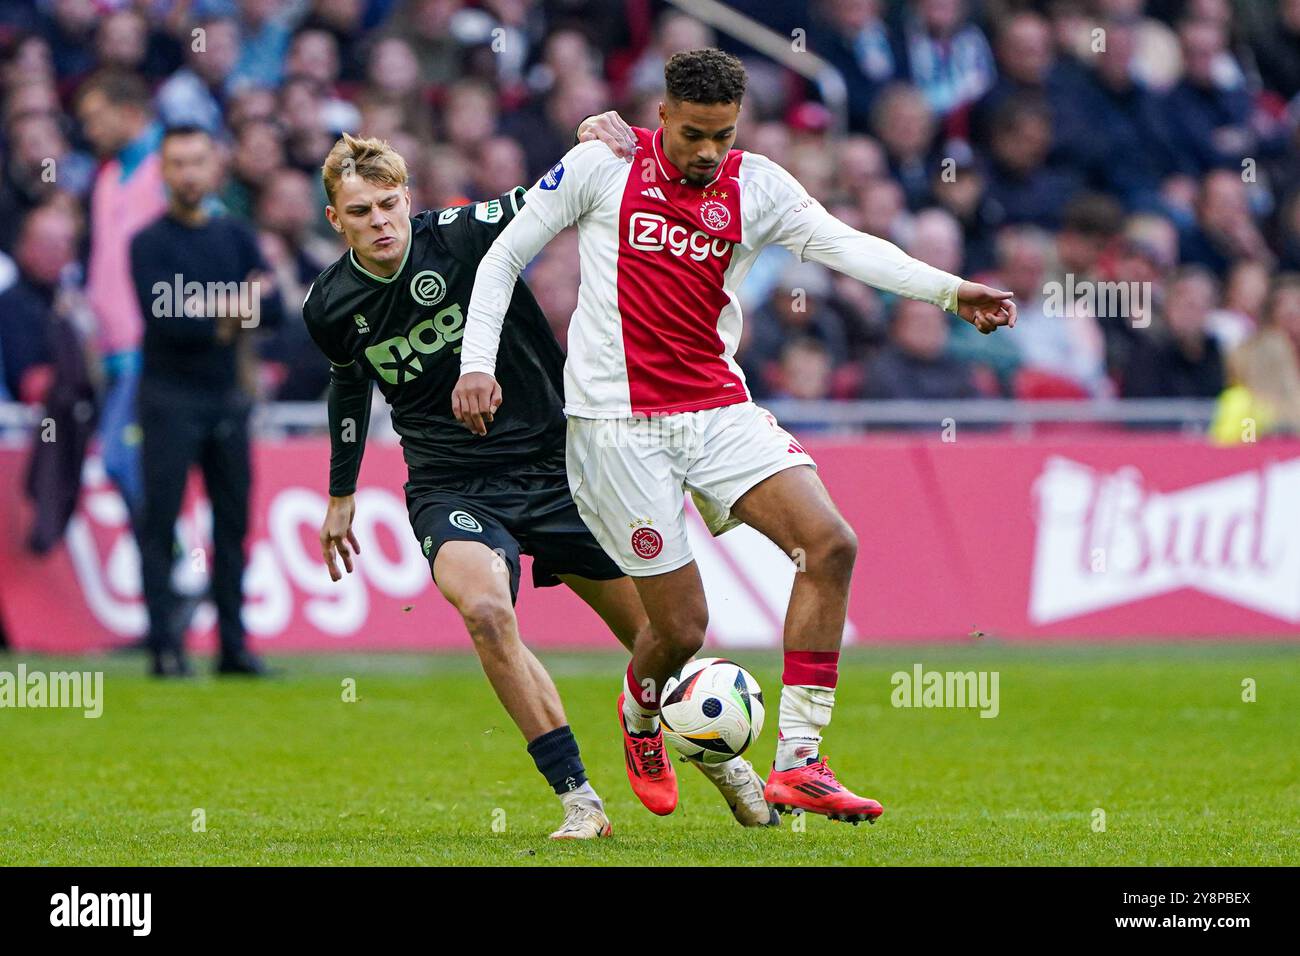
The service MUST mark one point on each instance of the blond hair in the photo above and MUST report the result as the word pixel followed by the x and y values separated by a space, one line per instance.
pixel 374 160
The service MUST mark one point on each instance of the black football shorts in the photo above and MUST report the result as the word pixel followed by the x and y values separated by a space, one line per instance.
pixel 529 511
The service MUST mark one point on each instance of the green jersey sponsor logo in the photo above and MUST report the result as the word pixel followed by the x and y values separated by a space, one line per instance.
pixel 397 360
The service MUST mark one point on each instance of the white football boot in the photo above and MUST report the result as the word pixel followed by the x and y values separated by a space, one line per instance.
pixel 583 820
pixel 742 788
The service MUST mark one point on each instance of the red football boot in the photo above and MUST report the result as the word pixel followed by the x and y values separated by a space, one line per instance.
pixel 648 768
pixel 814 788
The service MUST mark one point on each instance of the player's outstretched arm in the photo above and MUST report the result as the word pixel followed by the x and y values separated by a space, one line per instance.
pixel 802 225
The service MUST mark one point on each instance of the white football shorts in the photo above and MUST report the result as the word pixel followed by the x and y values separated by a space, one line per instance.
pixel 629 476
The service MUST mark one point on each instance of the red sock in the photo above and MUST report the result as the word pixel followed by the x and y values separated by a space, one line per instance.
pixel 810 668
pixel 646 696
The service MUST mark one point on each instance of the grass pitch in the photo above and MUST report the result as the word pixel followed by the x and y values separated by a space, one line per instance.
pixel 426 769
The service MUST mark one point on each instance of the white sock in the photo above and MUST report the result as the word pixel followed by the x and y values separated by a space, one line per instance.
pixel 638 719
pixel 805 712
pixel 584 794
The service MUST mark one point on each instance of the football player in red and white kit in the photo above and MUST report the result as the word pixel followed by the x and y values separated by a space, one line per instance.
pixel 658 406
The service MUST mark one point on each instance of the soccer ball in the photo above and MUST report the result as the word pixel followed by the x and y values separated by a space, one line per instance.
pixel 711 710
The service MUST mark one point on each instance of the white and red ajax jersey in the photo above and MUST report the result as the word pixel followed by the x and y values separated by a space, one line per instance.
pixel 658 320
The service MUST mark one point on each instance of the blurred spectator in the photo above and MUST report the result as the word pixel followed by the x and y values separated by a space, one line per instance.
pixel 936 239
pixel 46 248
pixel 264 41
pixel 1144 255
pixel 915 363
pixel 1284 308
pixel 393 79
pixel 1263 396
pixel 1244 297
pixel 852 36
pixel 803 371
pixel 287 209
pixel 1089 224
pixel 797 308
pixel 545 131
pixel 1022 187
pixel 962 190
pixel 859 160
pixel 46 313
pixel 1275 38
pixel 307 136
pixel 1028 66
pixel 196 93
pixel 39 165
pixel 905 125
pixel 70 32
pixel 342 21
pixel 258 154
pixel 675 32
pixel 883 209
pixel 122 40
pixel 427 25
pixel 500 167
pixel 946 55
pixel 1210 108
pixel 1132 145
pixel 566 53
pixel 1180 358
pixel 1057 340
pixel 116 118
pixel 1224 231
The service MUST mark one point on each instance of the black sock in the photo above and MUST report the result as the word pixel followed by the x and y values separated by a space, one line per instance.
pixel 556 755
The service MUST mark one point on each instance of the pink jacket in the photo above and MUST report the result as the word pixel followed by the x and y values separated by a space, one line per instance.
pixel 118 210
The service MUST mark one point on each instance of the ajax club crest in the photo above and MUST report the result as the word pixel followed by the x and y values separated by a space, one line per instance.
pixel 715 216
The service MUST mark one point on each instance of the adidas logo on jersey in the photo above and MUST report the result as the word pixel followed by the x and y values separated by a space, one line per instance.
pixel 654 192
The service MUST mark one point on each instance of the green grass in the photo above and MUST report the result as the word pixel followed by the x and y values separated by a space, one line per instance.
pixel 417 770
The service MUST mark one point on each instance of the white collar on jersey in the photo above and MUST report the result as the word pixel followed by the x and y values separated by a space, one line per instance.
pixel 656 141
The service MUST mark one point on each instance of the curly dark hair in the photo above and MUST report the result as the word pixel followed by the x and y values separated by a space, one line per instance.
pixel 705 76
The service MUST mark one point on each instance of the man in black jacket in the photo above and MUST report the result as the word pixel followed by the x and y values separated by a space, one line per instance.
pixel 202 286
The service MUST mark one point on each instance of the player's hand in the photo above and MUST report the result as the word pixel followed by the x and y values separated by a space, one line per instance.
pixel 610 129
pixel 985 307
pixel 475 400
pixel 336 537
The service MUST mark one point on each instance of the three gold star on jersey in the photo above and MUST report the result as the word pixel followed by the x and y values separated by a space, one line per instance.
pixel 714 193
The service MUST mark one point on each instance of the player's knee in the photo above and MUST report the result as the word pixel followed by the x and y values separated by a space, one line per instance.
pixel 489 620
pixel 835 552
pixel 684 633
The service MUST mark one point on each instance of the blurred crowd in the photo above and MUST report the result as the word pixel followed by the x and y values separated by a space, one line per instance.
pixel 1051 147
